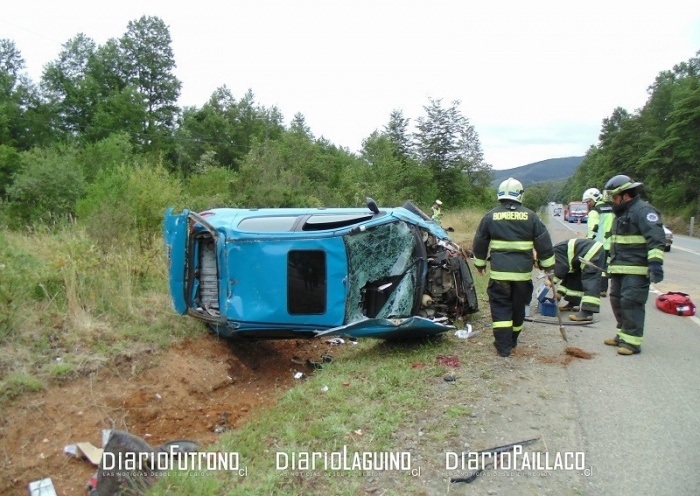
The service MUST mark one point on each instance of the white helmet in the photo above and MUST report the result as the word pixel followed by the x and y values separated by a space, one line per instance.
pixel 592 194
pixel 510 189
pixel 438 202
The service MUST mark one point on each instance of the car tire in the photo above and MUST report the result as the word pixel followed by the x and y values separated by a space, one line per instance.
pixel 667 248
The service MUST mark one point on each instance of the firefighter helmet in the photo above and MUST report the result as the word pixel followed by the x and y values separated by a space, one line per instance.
pixel 510 189
pixel 619 184
pixel 592 194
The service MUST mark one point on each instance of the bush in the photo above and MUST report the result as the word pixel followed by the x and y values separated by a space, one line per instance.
pixel 125 206
pixel 46 188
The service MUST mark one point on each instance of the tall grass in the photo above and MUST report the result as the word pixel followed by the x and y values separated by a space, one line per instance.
pixel 68 306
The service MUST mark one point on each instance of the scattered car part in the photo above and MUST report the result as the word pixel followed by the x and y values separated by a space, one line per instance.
pixel 493 451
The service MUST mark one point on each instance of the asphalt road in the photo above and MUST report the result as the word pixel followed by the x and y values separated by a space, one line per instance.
pixel 640 415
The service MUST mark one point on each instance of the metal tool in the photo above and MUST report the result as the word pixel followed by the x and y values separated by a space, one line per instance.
pixel 562 331
pixel 590 264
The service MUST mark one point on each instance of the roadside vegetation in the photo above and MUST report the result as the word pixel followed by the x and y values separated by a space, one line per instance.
pixel 68 306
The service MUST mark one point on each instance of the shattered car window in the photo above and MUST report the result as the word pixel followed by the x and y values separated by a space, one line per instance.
pixel 382 272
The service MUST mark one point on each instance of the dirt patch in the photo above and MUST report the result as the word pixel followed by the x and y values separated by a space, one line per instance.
pixel 195 390
pixel 578 353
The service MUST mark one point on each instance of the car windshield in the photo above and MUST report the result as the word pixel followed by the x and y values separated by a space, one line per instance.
pixel 579 208
pixel 381 259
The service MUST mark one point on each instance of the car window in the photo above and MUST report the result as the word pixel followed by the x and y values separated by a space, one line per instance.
pixel 306 282
pixel 268 224
pixel 324 222
pixel 382 265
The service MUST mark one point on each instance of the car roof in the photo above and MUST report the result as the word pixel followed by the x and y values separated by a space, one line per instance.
pixel 279 221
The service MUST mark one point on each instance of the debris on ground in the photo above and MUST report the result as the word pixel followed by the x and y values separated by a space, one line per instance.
pixel 466 333
pixel 578 353
pixel 313 364
pixel 448 361
pixel 43 487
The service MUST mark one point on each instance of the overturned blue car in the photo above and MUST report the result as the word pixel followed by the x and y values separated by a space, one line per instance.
pixel 303 272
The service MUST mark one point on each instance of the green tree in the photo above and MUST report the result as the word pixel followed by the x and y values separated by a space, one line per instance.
pixel 67 85
pixel 658 144
pixel 448 146
pixel 9 165
pixel 24 122
pixel 398 135
pixel 148 64
pixel 391 178
pixel 226 128
pixel 674 164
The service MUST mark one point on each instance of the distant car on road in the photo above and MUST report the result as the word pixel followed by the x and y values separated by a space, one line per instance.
pixel 669 238
pixel 301 272
pixel 576 211
pixel 557 212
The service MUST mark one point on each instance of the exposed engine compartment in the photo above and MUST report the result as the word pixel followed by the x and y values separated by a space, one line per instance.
pixel 449 288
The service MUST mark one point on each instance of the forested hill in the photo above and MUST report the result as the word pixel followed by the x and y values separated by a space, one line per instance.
pixel 552 169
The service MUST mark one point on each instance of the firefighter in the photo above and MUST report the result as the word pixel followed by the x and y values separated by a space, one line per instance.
pixel 579 283
pixel 636 259
pixel 437 211
pixel 511 232
pixel 600 220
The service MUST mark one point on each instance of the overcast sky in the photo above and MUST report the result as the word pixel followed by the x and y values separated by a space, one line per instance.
pixel 535 78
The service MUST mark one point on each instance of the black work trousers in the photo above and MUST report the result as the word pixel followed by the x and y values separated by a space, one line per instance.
pixel 507 300
pixel 628 298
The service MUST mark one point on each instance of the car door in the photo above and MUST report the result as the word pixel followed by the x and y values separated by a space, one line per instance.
pixel 175 229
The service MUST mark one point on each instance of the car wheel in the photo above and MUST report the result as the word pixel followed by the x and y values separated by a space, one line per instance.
pixel 667 248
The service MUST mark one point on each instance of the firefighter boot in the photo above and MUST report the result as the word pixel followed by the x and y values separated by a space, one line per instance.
pixel 582 316
pixel 503 341
pixel 612 341
pixel 628 349
pixel 515 337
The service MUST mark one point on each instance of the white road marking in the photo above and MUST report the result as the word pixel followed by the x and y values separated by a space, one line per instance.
pixel 676 247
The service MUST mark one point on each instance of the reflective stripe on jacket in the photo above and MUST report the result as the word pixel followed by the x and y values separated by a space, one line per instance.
pixel 600 221
pixel 567 255
pixel 637 239
pixel 507 236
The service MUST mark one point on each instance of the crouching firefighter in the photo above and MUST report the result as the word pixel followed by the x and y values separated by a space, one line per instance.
pixel 511 232
pixel 579 283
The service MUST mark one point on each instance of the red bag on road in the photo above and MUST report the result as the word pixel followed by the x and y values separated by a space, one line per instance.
pixel 676 304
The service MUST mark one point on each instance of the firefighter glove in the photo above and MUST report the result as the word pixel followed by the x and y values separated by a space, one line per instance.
pixel 656 272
